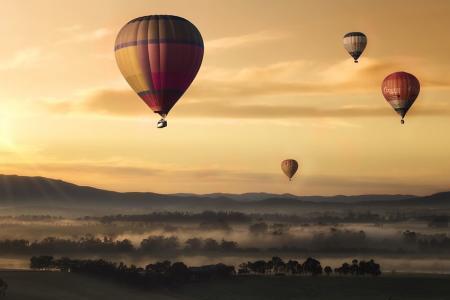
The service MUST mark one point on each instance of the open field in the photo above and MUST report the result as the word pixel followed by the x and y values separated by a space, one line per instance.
pixel 56 285
pixel 31 285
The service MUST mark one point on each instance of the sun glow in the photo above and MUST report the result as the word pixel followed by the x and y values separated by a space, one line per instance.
pixel 6 139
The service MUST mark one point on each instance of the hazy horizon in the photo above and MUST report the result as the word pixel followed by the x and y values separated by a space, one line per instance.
pixel 224 193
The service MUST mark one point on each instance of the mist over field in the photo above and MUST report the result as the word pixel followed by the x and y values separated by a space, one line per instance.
pixel 413 242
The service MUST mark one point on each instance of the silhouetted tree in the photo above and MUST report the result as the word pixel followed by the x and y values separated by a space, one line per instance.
pixel 159 267
pixel 312 266
pixel 361 268
pixel 259 266
pixel 278 265
pixel 43 262
pixel 354 269
pixel 228 245
pixel 194 244
pixel 294 267
pixel 211 245
pixel 179 273
pixel 160 243
pixel 243 269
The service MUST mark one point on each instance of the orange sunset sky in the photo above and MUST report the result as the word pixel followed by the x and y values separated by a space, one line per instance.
pixel 275 83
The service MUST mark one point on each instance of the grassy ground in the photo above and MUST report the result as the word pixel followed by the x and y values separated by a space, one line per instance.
pixel 68 286
pixel 55 285
pixel 323 288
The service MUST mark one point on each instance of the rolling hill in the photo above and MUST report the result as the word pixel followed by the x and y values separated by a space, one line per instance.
pixel 23 194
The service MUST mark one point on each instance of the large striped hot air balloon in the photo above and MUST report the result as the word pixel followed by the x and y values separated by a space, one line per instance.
pixel 400 90
pixel 355 43
pixel 289 167
pixel 159 56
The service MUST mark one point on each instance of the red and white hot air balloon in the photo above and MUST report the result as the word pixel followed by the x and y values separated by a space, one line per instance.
pixel 400 90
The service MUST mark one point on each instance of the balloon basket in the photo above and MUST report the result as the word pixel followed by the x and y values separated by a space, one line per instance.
pixel 161 123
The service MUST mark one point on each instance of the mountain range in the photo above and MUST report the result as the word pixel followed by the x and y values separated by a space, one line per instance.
pixel 24 195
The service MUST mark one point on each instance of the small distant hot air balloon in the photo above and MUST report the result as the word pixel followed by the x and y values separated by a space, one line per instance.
pixel 401 90
pixel 159 56
pixel 355 43
pixel 289 167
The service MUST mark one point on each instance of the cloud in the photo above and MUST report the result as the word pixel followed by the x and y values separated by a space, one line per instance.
pixel 224 93
pixel 139 171
pixel 261 111
pixel 301 77
pixel 22 58
pixel 87 36
pixel 102 101
pixel 70 28
pixel 244 40
pixel 126 104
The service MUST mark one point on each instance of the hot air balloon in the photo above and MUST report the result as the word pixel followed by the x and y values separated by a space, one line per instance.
pixel 355 43
pixel 401 90
pixel 159 56
pixel 289 167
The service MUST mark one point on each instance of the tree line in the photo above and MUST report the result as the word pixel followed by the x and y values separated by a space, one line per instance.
pixel 427 242
pixel 311 266
pixel 239 217
pixel 171 244
pixel 176 217
pixel 166 273
pixel 159 274
pixel 91 244
pixel 350 216
pixel 336 241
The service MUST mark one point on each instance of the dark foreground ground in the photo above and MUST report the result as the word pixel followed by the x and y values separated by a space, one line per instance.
pixel 69 286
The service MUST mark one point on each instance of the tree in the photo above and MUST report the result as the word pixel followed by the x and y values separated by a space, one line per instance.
pixel 179 273
pixel 293 267
pixel 159 267
pixel 43 262
pixel 243 269
pixel 343 270
pixel 258 266
pixel 125 245
pixel 354 269
pixel 211 245
pixel 160 243
pixel 228 245
pixel 312 266
pixel 328 270
pixel 371 268
pixel 278 265
pixel 194 244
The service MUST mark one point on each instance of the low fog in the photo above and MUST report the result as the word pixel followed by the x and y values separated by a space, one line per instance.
pixel 403 243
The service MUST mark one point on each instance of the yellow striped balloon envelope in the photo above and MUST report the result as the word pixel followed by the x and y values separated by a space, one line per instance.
pixel 289 167
pixel 159 56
